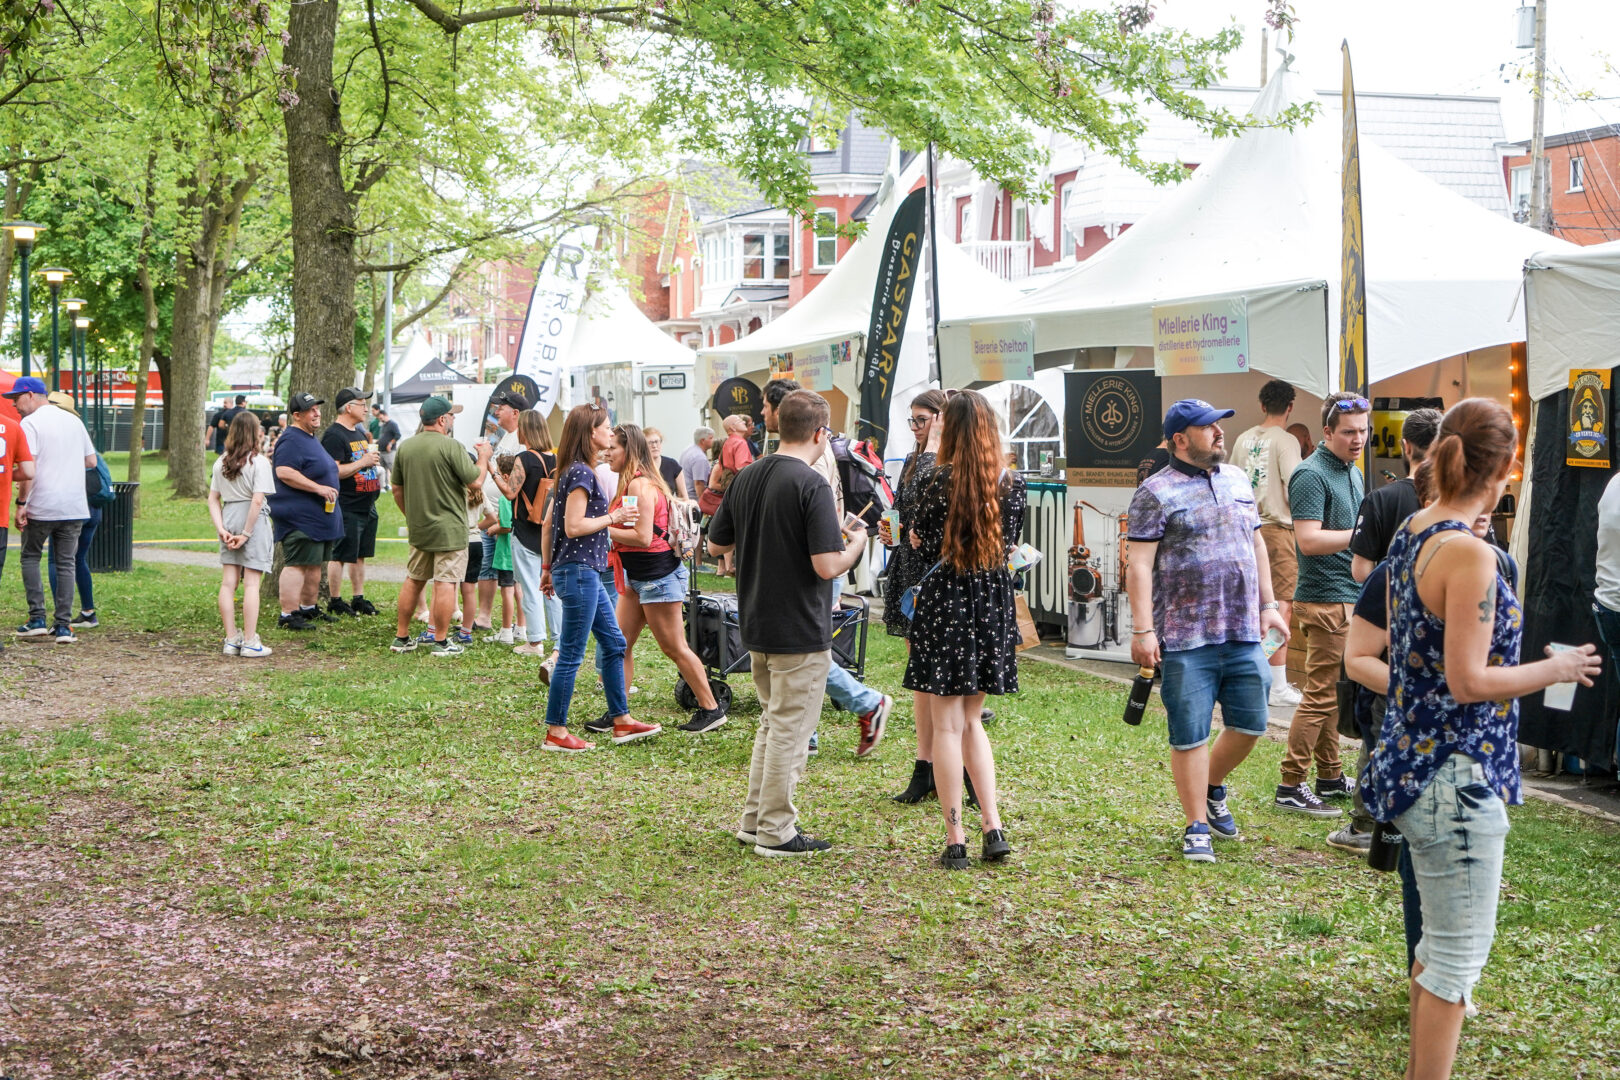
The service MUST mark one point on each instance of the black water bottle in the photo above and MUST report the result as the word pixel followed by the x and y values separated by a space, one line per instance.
pixel 1384 852
pixel 1141 690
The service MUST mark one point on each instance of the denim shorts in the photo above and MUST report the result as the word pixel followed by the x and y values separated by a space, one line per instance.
pixel 1455 833
pixel 669 589
pixel 1234 673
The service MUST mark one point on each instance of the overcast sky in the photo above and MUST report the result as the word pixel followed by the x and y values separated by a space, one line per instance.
pixel 1433 46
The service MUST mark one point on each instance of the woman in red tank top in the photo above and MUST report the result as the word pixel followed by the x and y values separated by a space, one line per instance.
pixel 652 579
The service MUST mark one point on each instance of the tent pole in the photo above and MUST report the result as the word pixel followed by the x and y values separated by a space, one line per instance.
pixel 933 275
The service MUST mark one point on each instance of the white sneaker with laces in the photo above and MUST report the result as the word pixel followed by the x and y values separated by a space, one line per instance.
pixel 255 649
pixel 1285 695
pixel 529 648
pixel 233 647
pixel 503 636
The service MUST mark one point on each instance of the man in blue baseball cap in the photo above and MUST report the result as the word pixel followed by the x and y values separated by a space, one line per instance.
pixel 1200 590
pixel 55 507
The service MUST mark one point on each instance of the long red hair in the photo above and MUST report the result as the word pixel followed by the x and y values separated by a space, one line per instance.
pixel 971 447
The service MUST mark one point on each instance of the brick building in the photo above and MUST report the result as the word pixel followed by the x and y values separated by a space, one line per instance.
pixel 1583 168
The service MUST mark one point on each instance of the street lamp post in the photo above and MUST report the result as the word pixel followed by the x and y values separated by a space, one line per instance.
pixel 54 276
pixel 73 304
pixel 23 235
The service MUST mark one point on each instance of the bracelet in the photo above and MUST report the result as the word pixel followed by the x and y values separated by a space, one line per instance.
pixel 1139 633
pixel 1271 605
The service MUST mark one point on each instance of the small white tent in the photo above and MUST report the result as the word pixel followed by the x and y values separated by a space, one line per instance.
pixel 613 330
pixel 1572 303
pixel 1261 220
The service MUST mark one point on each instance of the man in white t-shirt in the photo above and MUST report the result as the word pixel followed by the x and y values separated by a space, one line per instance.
pixel 56 508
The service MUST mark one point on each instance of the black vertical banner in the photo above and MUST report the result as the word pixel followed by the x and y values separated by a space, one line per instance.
pixel 897 277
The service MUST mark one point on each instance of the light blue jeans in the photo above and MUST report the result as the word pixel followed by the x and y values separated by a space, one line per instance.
pixel 1455 833
pixel 540 612
pixel 846 693
pixel 587 612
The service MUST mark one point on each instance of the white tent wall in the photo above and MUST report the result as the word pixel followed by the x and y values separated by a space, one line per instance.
pixel 1572 301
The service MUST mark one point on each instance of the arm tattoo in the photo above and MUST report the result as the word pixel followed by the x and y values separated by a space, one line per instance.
pixel 1487 606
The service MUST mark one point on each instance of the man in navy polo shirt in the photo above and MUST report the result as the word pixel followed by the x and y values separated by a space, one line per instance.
pixel 1200 591
pixel 304 512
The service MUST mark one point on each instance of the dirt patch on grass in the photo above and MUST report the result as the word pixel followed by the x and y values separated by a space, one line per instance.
pixel 52 686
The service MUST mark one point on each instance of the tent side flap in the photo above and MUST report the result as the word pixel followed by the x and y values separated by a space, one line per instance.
pixel 1573 312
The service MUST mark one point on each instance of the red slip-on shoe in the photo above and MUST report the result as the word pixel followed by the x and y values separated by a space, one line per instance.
pixel 564 741
pixel 631 730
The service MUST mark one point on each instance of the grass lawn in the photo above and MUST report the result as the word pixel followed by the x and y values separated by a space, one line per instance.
pixel 342 862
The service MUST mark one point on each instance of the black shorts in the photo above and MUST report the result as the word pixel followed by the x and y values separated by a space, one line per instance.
pixel 475 563
pixel 359 535
pixel 505 579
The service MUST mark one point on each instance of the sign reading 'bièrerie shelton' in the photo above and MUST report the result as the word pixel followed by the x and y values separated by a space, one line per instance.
pixel 1111 421
pixel 1588 419
pixel 1205 337
pixel 1003 350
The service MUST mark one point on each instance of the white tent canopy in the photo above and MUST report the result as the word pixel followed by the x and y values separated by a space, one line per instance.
pixel 1261 220
pixel 613 330
pixel 1572 303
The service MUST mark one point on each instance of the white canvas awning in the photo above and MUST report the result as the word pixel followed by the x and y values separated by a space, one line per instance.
pixel 1262 220
pixel 613 330
pixel 1572 301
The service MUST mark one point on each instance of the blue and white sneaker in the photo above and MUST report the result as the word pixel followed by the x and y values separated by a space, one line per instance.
pixel 34 628
pixel 1221 822
pixel 1196 845
pixel 232 647
pixel 463 636
pixel 255 649
pixel 815 743
pixel 63 635
pixel 426 637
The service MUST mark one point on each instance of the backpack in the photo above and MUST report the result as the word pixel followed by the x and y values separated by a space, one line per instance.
pixel 685 528
pixel 98 485
pixel 860 473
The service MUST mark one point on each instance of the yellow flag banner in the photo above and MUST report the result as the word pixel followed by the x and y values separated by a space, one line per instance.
pixel 1352 278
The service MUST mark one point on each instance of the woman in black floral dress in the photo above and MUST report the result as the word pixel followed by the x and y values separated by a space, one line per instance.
pixel 906 566
pixel 964 630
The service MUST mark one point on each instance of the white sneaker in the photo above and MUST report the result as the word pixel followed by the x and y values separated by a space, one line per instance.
pixel 1284 695
pixel 233 647
pixel 255 649
pixel 529 648
pixel 502 636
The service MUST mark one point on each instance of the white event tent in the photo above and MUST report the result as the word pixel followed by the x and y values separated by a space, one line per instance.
pixel 840 309
pixel 1572 302
pixel 613 330
pixel 1261 220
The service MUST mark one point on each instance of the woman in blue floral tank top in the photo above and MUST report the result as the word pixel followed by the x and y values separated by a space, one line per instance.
pixel 1446 763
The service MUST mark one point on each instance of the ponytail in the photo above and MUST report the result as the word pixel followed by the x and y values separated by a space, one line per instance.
pixel 1475 448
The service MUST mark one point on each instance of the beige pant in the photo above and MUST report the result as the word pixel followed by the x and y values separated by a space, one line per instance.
pixel 790 688
pixel 1314 730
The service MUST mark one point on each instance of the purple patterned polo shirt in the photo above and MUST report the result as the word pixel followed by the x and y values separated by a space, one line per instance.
pixel 1206 586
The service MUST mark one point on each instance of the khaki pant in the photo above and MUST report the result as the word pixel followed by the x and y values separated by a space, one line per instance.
pixel 1314 730
pixel 790 688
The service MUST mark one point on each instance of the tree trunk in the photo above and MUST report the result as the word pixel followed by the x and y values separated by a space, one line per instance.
pixel 11 208
pixel 185 391
pixel 323 277
pixel 160 361
pixel 149 328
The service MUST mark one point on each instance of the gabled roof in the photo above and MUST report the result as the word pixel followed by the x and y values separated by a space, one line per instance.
pixel 716 192
pixel 861 151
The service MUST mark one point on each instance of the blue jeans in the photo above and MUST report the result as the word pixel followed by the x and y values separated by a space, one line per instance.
pixel 486 567
pixel 1608 628
pixel 1234 673
pixel 849 695
pixel 587 611
pixel 81 565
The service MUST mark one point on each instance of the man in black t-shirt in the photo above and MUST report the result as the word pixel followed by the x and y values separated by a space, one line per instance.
pixel 779 519
pixel 1383 511
pixel 359 483
pixel 222 422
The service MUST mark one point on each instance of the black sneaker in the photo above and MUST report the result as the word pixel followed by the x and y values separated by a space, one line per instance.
pixel 362 606
pixel 86 621
pixel 338 606
pixel 995 847
pixel 1301 800
pixel 600 726
pixel 704 720
pixel 955 857
pixel 799 845
pixel 311 614
pixel 1338 788
pixel 295 621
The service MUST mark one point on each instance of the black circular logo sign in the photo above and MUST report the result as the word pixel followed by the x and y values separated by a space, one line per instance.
pixel 1111 414
pixel 739 397
pixel 524 385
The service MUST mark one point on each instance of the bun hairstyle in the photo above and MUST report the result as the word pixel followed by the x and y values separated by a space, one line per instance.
pixel 1475 448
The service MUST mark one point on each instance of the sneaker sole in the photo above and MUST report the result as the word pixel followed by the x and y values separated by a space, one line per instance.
pixel 777 853
pixel 67 641
pixel 41 632
pixel 882 725
pixel 751 839
pixel 1218 835
pixel 1354 849
pixel 401 648
pixel 435 652
pixel 1325 812
pixel 255 655
pixel 230 652
pixel 566 749
pixel 620 740
pixel 1199 856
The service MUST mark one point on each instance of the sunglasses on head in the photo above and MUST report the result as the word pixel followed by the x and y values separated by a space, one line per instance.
pixel 1352 404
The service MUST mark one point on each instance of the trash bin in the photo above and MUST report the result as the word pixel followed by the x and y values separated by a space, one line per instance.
pixel 113 547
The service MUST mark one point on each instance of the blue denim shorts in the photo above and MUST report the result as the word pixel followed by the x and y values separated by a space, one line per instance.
pixel 1234 673
pixel 1455 833
pixel 669 589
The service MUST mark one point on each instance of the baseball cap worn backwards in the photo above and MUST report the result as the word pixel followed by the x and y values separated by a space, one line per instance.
pixel 435 407
pixel 303 402
pixel 1191 412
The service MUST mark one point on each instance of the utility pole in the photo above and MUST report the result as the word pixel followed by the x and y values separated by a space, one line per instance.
pixel 1540 185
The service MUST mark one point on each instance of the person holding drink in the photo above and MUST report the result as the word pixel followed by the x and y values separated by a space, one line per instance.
pixel 304 513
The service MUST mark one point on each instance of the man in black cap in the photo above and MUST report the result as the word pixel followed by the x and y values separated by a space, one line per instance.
pixel 359 484
pixel 303 512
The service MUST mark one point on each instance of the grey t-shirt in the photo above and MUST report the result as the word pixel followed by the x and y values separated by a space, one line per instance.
pixel 1607 592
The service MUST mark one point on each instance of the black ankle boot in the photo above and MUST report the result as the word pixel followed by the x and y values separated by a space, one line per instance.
pixel 922 783
pixel 967 785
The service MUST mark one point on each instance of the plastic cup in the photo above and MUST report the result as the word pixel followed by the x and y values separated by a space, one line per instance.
pixel 331 505
pixel 1271 643
pixel 1560 696
pixel 891 524
pixel 853 523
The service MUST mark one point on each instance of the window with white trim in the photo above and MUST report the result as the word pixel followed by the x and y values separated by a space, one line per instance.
pixel 766 256
pixel 1577 174
pixel 1069 245
pixel 1020 222
pixel 826 230
pixel 1519 192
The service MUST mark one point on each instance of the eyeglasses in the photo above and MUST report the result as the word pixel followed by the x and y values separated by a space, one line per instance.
pixel 919 421
pixel 1352 404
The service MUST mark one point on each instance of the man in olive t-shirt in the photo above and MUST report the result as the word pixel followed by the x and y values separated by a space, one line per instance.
pixel 433 478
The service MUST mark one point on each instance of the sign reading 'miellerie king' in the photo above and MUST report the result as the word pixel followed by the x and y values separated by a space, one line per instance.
pixel 1111 421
